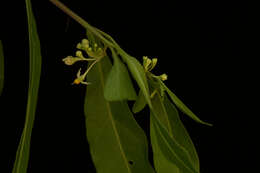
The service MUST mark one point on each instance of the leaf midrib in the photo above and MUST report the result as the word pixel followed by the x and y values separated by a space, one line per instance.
pixel 112 120
pixel 165 114
pixel 180 160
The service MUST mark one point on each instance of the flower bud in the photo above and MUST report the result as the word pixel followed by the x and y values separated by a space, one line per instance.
pixel 147 64
pixel 79 46
pixel 69 60
pixel 164 77
pixel 79 54
pixel 154 62
pixel 85 42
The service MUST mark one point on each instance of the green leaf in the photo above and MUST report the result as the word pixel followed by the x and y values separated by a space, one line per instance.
pixel 1 67
pixel 117 143
pixel 169 149
pixel 180 133
pixel 139 103
pixel 168 114
pixel 161 163
pixel 181 105
pixel 138 74
pixel 118 84
pixel 23 151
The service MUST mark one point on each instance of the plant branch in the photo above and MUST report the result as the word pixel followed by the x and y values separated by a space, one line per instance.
pixel 107 39
pixel 80 21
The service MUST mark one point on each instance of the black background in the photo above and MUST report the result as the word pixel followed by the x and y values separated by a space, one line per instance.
pixel 198 44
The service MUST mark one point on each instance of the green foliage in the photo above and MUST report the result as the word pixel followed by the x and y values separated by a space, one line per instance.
pixel 169 116
pixel 1 67
pixel 118 84
pixel 170 148
pixel 180 133
pixel 139 103
pixel 138 74
pixel 182 106
pixel 172 152
pixel 161 163
pixel 117 143
pixel 23 151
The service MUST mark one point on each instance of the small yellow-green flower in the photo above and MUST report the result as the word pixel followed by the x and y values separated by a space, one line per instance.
pixel 70 60
pixel 80 78
pixel 149 65
pixel 94 52
pixel 163 77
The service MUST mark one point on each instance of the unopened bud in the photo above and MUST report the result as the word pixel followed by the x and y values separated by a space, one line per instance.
pixel 147 64
pixel 79 54
pixel 164 77
pixel 154 62
pixel 85 42
pixel 69 60
pixel 79 46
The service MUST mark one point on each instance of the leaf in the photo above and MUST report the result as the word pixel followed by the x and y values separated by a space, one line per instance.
pixel 181 105
pixel 180 133
pixel 1 67
pixel 168 114
pixel 117 143
pixel 138 74
pixel 139 103
pixel 22 154
pixel 118 85
pixel 161 163
pixel 170 149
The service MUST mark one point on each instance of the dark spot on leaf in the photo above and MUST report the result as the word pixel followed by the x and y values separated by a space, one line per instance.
pixel 130 162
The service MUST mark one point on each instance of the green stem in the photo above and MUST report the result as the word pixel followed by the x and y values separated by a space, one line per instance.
pixel 90 67
pixel 110 42
pixel 80 21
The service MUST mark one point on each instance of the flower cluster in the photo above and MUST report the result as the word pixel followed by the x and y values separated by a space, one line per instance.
pixel 149 64
pixel 95 53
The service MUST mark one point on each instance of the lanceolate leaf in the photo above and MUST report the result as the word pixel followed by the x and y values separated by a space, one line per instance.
pixel 1 67
pixel 118 84
pixel 161 163
pixel 182 106
pixel 170 148
pixel 180 133
pixel 168 115
pixel 117 143
pixel 22 155
pixel 139 103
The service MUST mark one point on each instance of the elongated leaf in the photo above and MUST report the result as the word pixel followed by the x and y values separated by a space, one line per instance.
pixel 118 84
pixel 1 67
pixel 169 116
pixel 170 148
pixel 180 133
pixel 139 103
pixel 23 151
pixel 117 143
pixel 161 163
pixel 182 106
